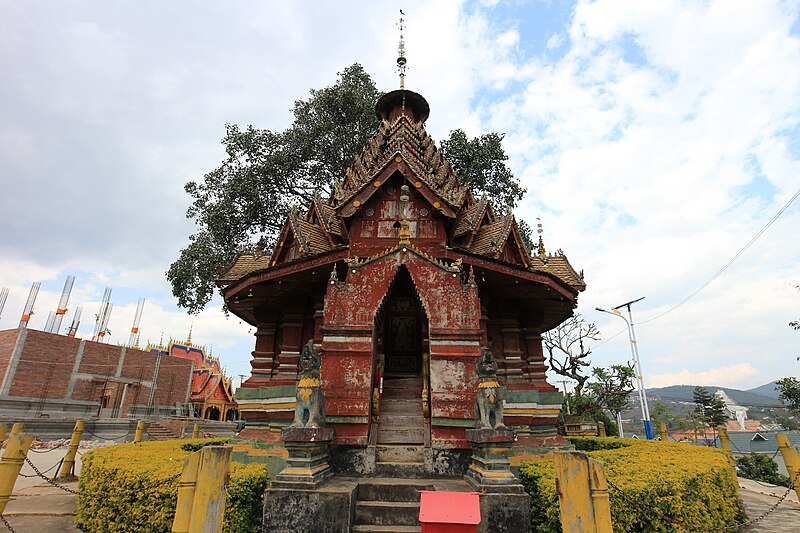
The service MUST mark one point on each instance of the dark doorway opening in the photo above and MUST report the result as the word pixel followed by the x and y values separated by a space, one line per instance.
pixel 405 328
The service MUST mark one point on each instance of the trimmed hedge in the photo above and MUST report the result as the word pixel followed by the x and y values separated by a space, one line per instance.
pixel 660 485
pixel 150 468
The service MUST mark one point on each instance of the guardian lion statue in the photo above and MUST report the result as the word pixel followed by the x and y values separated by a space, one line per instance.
pixel 489 398
pixel 309 411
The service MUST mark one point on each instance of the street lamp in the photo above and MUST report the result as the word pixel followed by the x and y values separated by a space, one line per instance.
pixel 648 429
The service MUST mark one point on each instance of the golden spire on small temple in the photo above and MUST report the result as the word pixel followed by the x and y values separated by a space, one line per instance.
pixel 539 230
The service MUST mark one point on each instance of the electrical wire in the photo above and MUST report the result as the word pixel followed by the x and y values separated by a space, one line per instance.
pixel 730 262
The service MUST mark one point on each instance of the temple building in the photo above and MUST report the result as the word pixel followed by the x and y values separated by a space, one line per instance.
pixel 400 278
pixel 211 392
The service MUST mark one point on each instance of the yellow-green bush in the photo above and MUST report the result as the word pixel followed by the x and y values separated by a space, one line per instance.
pixel 117 470
pixel 658 486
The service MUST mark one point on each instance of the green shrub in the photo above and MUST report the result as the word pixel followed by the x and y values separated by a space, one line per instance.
pixel 141 484
pixel 761 467
pixel 193 445
pixel 654 486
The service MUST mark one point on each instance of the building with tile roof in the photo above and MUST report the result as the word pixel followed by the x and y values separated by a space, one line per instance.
pixel 210 392
pixel 402 275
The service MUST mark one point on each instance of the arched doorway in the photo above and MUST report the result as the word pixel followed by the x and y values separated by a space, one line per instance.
pixel 212 413
pixel 405 328
pixel 401 335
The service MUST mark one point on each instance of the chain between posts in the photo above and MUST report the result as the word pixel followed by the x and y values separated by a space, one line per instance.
pixel 5 522
pixel 696 527
pixel 100 494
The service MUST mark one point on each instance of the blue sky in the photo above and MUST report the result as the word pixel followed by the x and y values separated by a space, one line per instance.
pixel 655 140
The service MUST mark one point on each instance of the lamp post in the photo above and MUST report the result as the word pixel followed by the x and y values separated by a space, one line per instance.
pixel 648 429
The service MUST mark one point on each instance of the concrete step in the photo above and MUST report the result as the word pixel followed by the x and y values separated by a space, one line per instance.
pixel 372 528
pixel 401 383
pixel 402 420
pixel 387 513
pixel 400 454
pixel 400 435
pixel 401 406
pixel 391 492
pixel 414 392
pixel 401 470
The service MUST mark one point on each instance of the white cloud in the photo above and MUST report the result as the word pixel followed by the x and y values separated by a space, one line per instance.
pixel 655 140
pixel 730 376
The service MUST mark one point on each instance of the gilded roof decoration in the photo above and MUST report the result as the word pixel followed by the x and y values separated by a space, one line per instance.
pixel 419 151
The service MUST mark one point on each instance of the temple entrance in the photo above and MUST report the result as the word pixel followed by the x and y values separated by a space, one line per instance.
pixel 405 328
pixel 402 389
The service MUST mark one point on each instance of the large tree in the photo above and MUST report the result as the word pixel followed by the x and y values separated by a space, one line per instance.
pixel 267 173
pixel 709 408
pixel 568 349
pixel 612 387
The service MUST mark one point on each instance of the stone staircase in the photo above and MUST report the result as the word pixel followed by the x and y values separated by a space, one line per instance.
pixel 401 412
pixel 402 433
pixel 159 431
pixel 388 505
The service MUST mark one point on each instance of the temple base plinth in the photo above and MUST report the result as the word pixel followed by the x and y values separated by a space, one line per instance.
pixel 308 463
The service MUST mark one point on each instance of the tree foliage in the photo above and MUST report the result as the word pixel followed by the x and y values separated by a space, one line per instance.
pixel 568 349
pixel 266 174
pixel 661 413
pixel 789 393
pixel 709 408
pixel 759 467
pixel 612 388
pixel 481 164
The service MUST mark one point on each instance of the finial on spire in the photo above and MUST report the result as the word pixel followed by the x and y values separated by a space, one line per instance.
pixel 540 246
pixel 401 53
pixel 189 338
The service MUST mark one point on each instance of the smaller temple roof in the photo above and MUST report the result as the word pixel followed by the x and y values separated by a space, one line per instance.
pixel 558 266
pixel 243 264
pixel 468 219
pixel 491 237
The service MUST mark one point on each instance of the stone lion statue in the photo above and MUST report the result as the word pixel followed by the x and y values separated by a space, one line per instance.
pixel 309 411
pixel 489 398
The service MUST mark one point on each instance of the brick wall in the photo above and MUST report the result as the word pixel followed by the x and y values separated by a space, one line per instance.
pixel 46 368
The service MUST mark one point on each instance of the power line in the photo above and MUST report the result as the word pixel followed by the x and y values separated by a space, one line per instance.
pixel 729 263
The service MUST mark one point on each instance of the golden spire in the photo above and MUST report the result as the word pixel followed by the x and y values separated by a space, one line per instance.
pixel 401 54
pixel 539 230
pixel 189 338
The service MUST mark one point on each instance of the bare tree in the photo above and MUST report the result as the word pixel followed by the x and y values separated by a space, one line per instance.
pixel 568 349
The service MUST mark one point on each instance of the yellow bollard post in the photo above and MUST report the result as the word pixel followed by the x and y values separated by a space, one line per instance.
pixel 196 431
pixel 791 458
pixel 16 429
pixel 598 485
pixel 662 429
pixel 186 490
pixel 582 491
pixel 601 429
pixel 139 430
pixel 10 465
pixel 725 444
pixel 3 433
pixel 208 508
pixel 69 460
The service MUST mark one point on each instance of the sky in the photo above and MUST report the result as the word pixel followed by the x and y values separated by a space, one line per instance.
pixel 655 139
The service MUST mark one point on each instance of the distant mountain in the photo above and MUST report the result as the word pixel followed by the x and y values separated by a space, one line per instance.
pixel 768 389
pixel 683 393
